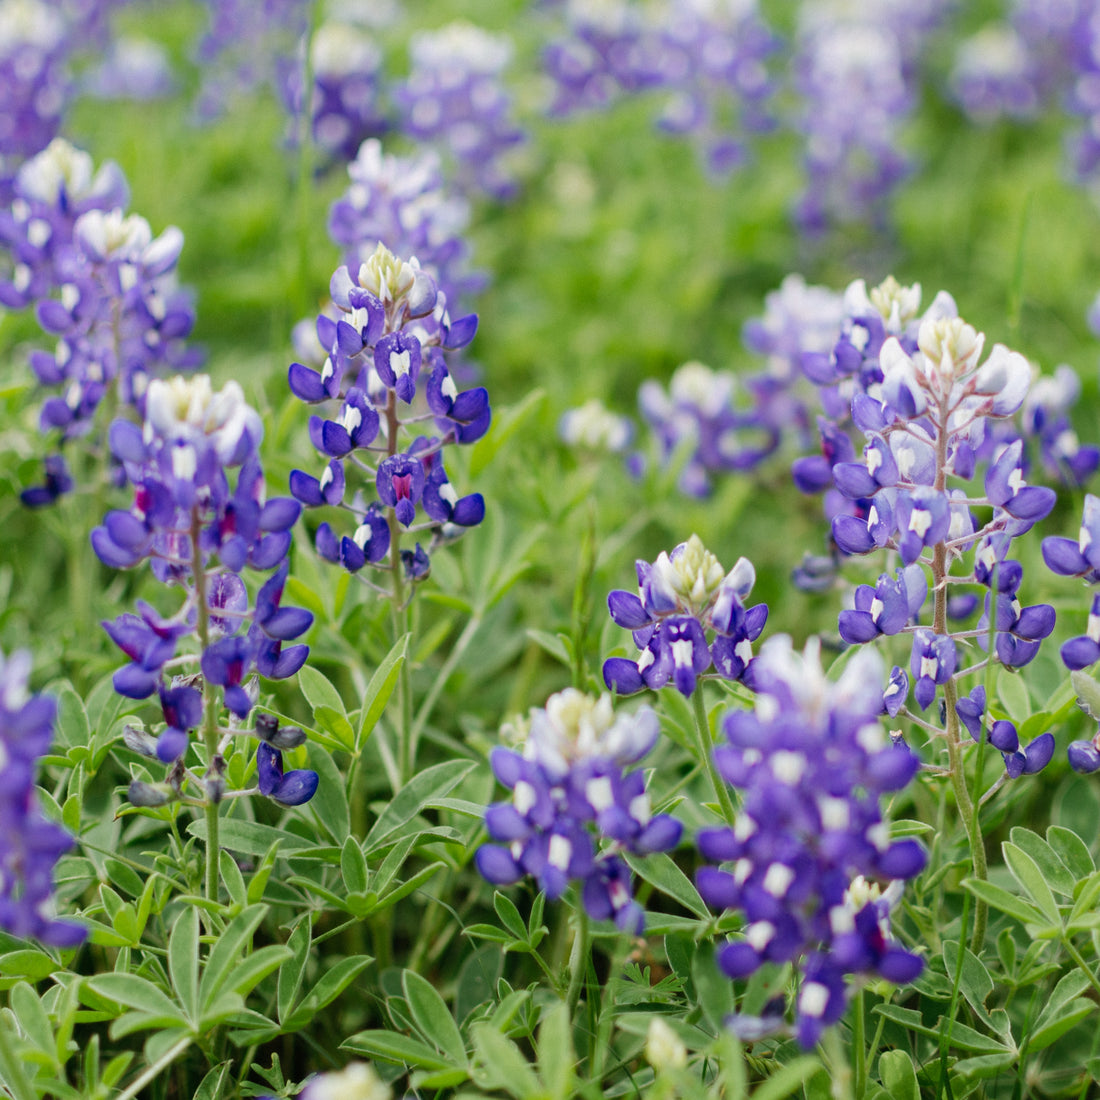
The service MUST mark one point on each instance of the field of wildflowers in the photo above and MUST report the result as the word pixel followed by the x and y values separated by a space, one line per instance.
pixel 542 549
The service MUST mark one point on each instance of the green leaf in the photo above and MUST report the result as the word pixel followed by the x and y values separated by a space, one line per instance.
pixel 713 989
pixel 432 1017
pixel 975 982
pixel 391 1046
pixel 554 644
pixel 477 979
pixel 895 1070
pixel 1051 1026
pixel 1027 873
pixel 785 1081
pixel 319 691
pixel 433 782
pixel 1088 693
pixel 233 879
pixel 137 993
pixel 33 1021
pixel 556 1057
pixel 1072 850
pixel 28 963
pixel 329 803
pixel 1000 899
pixel 961 1036
pixel 1054 871
pixel 250 971
pixel 1012 695
pixel 210 1087
pixel 249 837
pixel 661 871
pixel 509 916
pixel 380 689
pixel 226 952
pixel 290 975
pixel 908 827
pixel 183 961
pixel 329 986
pixel 353 866
pixel 336 723
pixel 502 1065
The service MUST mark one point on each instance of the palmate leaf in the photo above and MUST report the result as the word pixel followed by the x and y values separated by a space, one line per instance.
pixel 432 1017
pixel 327 988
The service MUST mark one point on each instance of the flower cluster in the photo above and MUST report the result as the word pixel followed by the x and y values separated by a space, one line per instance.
pixel 571 789
pixel 703 409
pixel 105 288
pixel 34 47
pixel 809 848
pixel 852 78
pixel 994 75
pixel 345 108
pixel 404 203
pixel 1080 557
pixel 246 46
pixel 681 598
pixel 454 95
pixel 200 532
pixel 385 353
pixel 30 844
pixel 707 61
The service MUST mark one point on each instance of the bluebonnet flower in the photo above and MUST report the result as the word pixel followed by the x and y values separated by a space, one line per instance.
pixel 30 844
pixel 34 49
pixel 851 77
pixel 571 790
pixel 1002 735
pixel 105 288
pixel 404 203
pixel 702 407
pixel 683 596
pixel 345 106
pixel 245 47
pixel 809 846
pixel 593 427
pixel 201 532
pixel 995 76
pixel 455 96
pixel 606 50
pixel 713 70
pixel 51 191
pixel 134 68
pixel 1046 420
pixel 385 353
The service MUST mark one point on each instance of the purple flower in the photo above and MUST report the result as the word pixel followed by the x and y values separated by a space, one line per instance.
pixel 570 790
pixel 292 788
pixel 933 662
pixel 812 764
pixel 30 843
pixel 681 597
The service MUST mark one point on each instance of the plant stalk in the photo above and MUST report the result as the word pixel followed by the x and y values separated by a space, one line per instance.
pixel 706 748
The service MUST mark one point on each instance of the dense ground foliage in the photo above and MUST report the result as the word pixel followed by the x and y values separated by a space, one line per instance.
pixel 315 751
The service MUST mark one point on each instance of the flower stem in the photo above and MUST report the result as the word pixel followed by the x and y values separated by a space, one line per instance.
pixel 706 756
pixel 859 1047
pixel 210 709
pixel 157 1068
pixel 968 808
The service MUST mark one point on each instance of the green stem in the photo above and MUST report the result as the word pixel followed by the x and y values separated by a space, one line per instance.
pixel 968 807
pixel 210 709
pixel 706 747
pixel 578 962
pixel 12 1069
pixel 157 1068
pixel 859 1045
